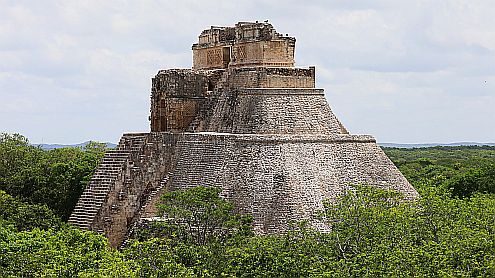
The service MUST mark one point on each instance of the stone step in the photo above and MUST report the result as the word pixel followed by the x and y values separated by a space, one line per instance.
pixel 109 167
pixel 100 184
pixel 96 194
pixel 101 177
pixel 117 153
pixel 81 225
pixel 101 181
pixel 98 189
pixel 91 198
pixel 90 205
pixel 113 160
pixel 107 174
pixel 85 215
pixel 104 176
pixel 105 164
pixel 90 208
pixel 88 215
pixel 117 156
pixel 111 164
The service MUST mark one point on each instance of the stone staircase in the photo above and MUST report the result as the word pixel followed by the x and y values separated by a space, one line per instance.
pixel 103 181
pixel 157 190
pixel 132 141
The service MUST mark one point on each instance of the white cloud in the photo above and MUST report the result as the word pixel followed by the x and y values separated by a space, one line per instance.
pixel 410 71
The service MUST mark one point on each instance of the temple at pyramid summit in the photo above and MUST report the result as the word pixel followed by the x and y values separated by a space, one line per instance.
pixel 245 119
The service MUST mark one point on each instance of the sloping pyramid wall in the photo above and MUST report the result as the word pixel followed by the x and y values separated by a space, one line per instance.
pixel 279 178
pixel 277 153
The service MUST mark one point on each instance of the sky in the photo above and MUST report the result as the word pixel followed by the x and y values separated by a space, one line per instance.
pixel 403 71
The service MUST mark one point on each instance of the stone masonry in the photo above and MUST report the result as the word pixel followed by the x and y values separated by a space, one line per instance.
pixel 245 119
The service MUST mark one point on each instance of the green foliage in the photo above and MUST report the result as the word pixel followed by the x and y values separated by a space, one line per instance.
pixel 364 215
pixel 68 252
pixel 26 217
pixel 462 170
pixel 301 252
pixel 200 216
pixel 54 178
pixel 376 235
pixel 156 258
pixel 196 228
pixel 474 180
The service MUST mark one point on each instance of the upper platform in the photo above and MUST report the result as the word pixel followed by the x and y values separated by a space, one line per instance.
pixel 248 44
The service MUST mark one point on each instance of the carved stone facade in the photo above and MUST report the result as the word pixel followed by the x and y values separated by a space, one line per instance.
pixel 244 119
pixel 246 44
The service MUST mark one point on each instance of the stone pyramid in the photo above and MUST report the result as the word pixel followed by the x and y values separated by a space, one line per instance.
pixel 245 119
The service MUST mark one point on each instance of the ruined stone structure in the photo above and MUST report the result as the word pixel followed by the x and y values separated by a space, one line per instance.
pixel 245 119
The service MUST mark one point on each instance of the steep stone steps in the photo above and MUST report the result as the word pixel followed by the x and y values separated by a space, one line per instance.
pixel 98 189
pixel 103 180
pixel 132 142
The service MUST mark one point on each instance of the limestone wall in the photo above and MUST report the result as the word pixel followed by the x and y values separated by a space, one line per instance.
pixel 185 99
pixel 111 200
pixel 278 178
pixel 217 57
pixel 176 96
pixel 274 111
pixel 261 77
pixel 149 161
pixel 274 53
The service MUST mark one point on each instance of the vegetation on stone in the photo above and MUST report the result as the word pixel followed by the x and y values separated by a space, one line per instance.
pixel 449 231
pixel 197 216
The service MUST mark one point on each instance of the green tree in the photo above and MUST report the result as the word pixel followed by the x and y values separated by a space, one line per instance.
pixel 200 216
pixel 55 178
pixel 377 234
pixel 68 252
pixel 196 229
pixel 474 180
pixel 25 216
pixel 156 258
pixel 300 252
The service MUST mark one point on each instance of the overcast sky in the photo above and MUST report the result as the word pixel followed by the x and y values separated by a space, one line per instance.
pixel 403 71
